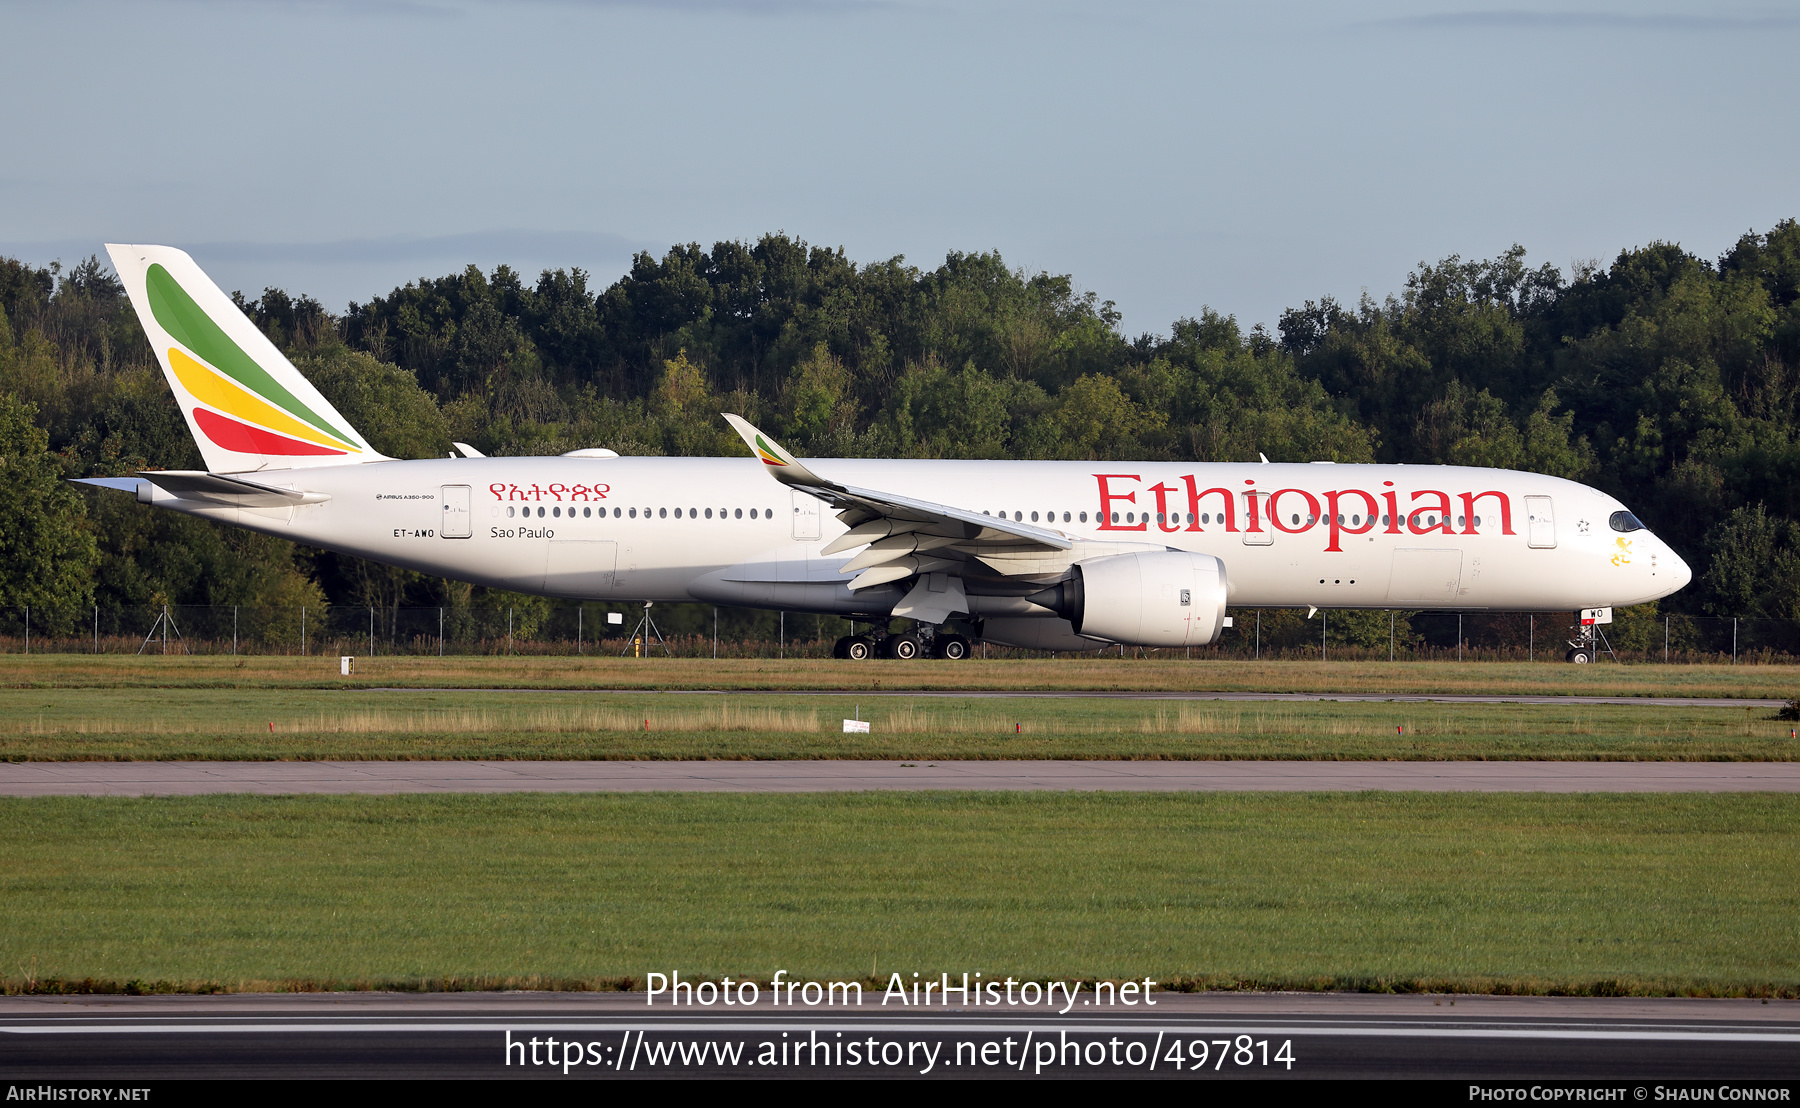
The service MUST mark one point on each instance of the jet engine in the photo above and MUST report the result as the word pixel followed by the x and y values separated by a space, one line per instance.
pixel 1165 598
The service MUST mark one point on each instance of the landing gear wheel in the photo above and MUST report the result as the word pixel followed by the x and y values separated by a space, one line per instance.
pixel 841 648
pixel 858 649
pixel 953 648
pixel 1580 657
pixel 902 647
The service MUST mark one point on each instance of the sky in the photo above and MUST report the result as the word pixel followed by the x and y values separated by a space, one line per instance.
pixel 1168 156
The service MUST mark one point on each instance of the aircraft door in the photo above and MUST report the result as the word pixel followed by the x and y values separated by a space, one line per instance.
pixel 1266 536
pixel 458 521
pixel 1425 578
pixel 1540 523
pixel 806 516
pixel 585 569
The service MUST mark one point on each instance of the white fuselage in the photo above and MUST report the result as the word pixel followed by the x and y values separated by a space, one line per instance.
pixel 719 530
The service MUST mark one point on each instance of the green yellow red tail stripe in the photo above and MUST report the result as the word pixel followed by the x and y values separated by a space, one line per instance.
pixel 256 414
pixel 768 453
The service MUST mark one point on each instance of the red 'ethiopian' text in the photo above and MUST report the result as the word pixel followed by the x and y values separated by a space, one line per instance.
pixel 1293 511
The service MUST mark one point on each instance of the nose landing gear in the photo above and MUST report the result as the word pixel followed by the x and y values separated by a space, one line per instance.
pixel 1587 641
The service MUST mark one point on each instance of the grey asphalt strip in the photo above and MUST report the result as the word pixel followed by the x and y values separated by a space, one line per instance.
pixel 1181 1036
pixel 76 1010
pixel 27 779
pixel 976 694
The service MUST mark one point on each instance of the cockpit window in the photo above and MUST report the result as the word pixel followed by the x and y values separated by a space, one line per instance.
pixel 1625 521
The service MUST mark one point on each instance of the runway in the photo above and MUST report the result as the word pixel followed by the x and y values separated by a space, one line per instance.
pixel 1328 697
pixel 29 779
pixel 618 1036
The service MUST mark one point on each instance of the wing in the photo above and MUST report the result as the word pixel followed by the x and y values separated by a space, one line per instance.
pixel 905 536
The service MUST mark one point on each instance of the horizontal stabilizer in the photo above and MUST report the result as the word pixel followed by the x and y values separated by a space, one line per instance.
pixel 193 484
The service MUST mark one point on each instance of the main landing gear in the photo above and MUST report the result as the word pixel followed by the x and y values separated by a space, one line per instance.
pixel 921 642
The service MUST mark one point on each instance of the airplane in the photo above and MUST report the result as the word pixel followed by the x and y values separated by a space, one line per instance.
pixel 1045 555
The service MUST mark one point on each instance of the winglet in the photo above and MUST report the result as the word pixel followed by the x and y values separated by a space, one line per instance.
pixel 782 466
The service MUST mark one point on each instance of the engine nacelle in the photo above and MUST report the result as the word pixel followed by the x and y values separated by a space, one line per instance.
pixel 1165 598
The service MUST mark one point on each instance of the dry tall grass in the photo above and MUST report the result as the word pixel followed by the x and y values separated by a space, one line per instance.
pixel 901 718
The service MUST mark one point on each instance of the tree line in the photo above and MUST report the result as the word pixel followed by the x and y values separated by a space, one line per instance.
pixel 1669 380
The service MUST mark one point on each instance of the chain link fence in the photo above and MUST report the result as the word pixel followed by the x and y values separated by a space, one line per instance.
pixel 684 630
pixel 700 631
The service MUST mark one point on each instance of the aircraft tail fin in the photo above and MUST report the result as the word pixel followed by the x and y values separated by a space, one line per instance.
pixel 246 405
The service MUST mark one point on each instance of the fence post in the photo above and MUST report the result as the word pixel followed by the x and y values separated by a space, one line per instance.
pixel 1665 640
pixel 27 629
pixel 1734 620
pixel 1459 636
pixel 509 628
pixel 783 639
pixel 303 630
pixel 1390 634
pixel 1531 640
pixel 440 631
pixel 96 628
pixel 234 611
pixel 580 618
pixel 715 632
pixel 1323 617
pixel 1259 634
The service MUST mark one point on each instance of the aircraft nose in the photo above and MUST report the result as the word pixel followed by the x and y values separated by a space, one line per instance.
pixel 1681 572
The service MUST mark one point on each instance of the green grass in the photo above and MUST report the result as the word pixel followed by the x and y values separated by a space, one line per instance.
pixel 140 724
pixel 1105 672
pixel 1508 892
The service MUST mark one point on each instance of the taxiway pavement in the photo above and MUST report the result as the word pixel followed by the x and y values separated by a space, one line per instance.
pixel 621 1036
pixel 27 779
